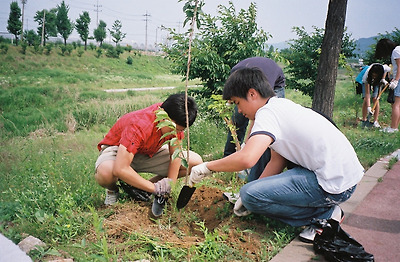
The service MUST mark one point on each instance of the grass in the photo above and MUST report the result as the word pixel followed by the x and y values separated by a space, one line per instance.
pixel 53 112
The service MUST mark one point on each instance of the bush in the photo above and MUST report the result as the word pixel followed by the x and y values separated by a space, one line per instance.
pixel 48 48
pixel 80 52
pixel 92 46
pixel 3 49
pixel 24 45
pixel 129 60
pixel 99 52
pixel 112 52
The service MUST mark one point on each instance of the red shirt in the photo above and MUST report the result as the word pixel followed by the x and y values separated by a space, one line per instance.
pixel 138 132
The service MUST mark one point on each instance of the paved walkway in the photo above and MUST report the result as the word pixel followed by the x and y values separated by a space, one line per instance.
pixel 372 217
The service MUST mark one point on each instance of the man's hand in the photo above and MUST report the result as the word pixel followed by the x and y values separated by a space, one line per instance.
pixel 239 209
pixel 369 109
pixel 163 187
pixel 198 173
pixel 393 84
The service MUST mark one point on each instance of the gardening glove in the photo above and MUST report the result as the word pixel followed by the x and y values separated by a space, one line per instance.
pixel 163 187
pixel 384 82
pixel 393 84
pixel 370 110
pixel 239 209
pixel 198 173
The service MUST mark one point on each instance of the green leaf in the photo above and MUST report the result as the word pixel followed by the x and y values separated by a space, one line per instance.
pixel 176 153
pixel 184 163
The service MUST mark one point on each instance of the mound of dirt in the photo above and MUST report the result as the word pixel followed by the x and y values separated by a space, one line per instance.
pixel 181 228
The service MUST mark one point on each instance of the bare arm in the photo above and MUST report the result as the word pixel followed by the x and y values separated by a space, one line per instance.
pixel 275 165
pixel 398 69
pixel 175 164
pixel 125 172
pixel 243 159
pixel 367 97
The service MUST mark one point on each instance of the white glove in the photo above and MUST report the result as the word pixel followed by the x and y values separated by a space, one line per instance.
pixel 370 110
pixel 198 173
pixel 393 84
pixel 239 209
pixel 384 82
pixel 163 187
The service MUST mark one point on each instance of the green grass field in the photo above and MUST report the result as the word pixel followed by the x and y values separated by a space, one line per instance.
pixel 54 111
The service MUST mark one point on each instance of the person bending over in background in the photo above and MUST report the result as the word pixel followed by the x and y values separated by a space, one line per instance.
pixel 276 79
pixel 371 76
pixel 387 48
pixel 327 170
pixel 134 144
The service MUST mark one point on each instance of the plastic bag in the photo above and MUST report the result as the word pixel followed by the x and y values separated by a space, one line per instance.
pixel 337 245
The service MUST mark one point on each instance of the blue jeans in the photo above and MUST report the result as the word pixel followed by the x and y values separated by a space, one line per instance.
pixel 293 197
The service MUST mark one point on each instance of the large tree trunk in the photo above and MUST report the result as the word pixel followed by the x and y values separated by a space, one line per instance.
pixel 324 92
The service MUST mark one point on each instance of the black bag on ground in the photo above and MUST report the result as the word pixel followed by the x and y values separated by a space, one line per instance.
pixel 135 193
pixel 390 98
pixel 337 245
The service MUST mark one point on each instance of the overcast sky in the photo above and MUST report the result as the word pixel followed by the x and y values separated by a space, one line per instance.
pixel 365 18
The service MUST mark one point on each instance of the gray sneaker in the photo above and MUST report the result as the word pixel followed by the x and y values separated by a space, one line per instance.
pixel 158 205
pixel 308 234
pixel 111 197
pixel 231 197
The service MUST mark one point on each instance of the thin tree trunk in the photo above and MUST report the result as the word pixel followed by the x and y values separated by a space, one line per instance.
pixel 324 93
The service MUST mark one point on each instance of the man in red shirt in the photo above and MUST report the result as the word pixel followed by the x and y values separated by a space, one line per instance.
pixel 135 144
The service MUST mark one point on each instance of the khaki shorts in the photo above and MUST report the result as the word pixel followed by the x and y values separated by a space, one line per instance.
pixel 158 164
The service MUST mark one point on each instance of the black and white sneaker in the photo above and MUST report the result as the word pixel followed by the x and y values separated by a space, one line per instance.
pixel 158 205
pixel 308 234
pixel 231 197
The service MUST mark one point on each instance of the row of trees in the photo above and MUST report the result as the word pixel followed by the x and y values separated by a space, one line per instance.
pixel 56 22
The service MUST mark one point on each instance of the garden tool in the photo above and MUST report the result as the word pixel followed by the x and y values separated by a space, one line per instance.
pixel 184 196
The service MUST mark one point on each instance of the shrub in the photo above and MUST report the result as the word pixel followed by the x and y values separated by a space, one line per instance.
pixel 129 60
pixel 3 49
pixel 48 48
pixel 24 45
pixel 99 52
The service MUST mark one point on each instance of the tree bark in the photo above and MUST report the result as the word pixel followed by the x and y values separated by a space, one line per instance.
pixel 324 93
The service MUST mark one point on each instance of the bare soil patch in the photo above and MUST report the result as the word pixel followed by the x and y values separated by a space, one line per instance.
pixel 180 228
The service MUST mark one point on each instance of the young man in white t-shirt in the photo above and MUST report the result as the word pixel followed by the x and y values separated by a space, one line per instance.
pixel 327 168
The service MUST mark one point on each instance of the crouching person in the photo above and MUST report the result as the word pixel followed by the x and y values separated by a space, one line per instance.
pixel 327 168
pixel 134 145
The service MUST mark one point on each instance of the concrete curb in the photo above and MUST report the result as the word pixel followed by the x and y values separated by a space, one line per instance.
pixel 302 252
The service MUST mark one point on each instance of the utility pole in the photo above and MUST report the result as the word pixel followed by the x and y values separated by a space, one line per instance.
pixel 22 26
pixel 146 19
pixel 44 21
pixel 97 11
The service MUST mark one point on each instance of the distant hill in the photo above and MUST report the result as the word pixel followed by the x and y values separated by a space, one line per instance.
pixel 362 45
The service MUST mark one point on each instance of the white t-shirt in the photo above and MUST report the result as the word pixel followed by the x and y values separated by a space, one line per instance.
pixel 395 55
pixel 308 139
